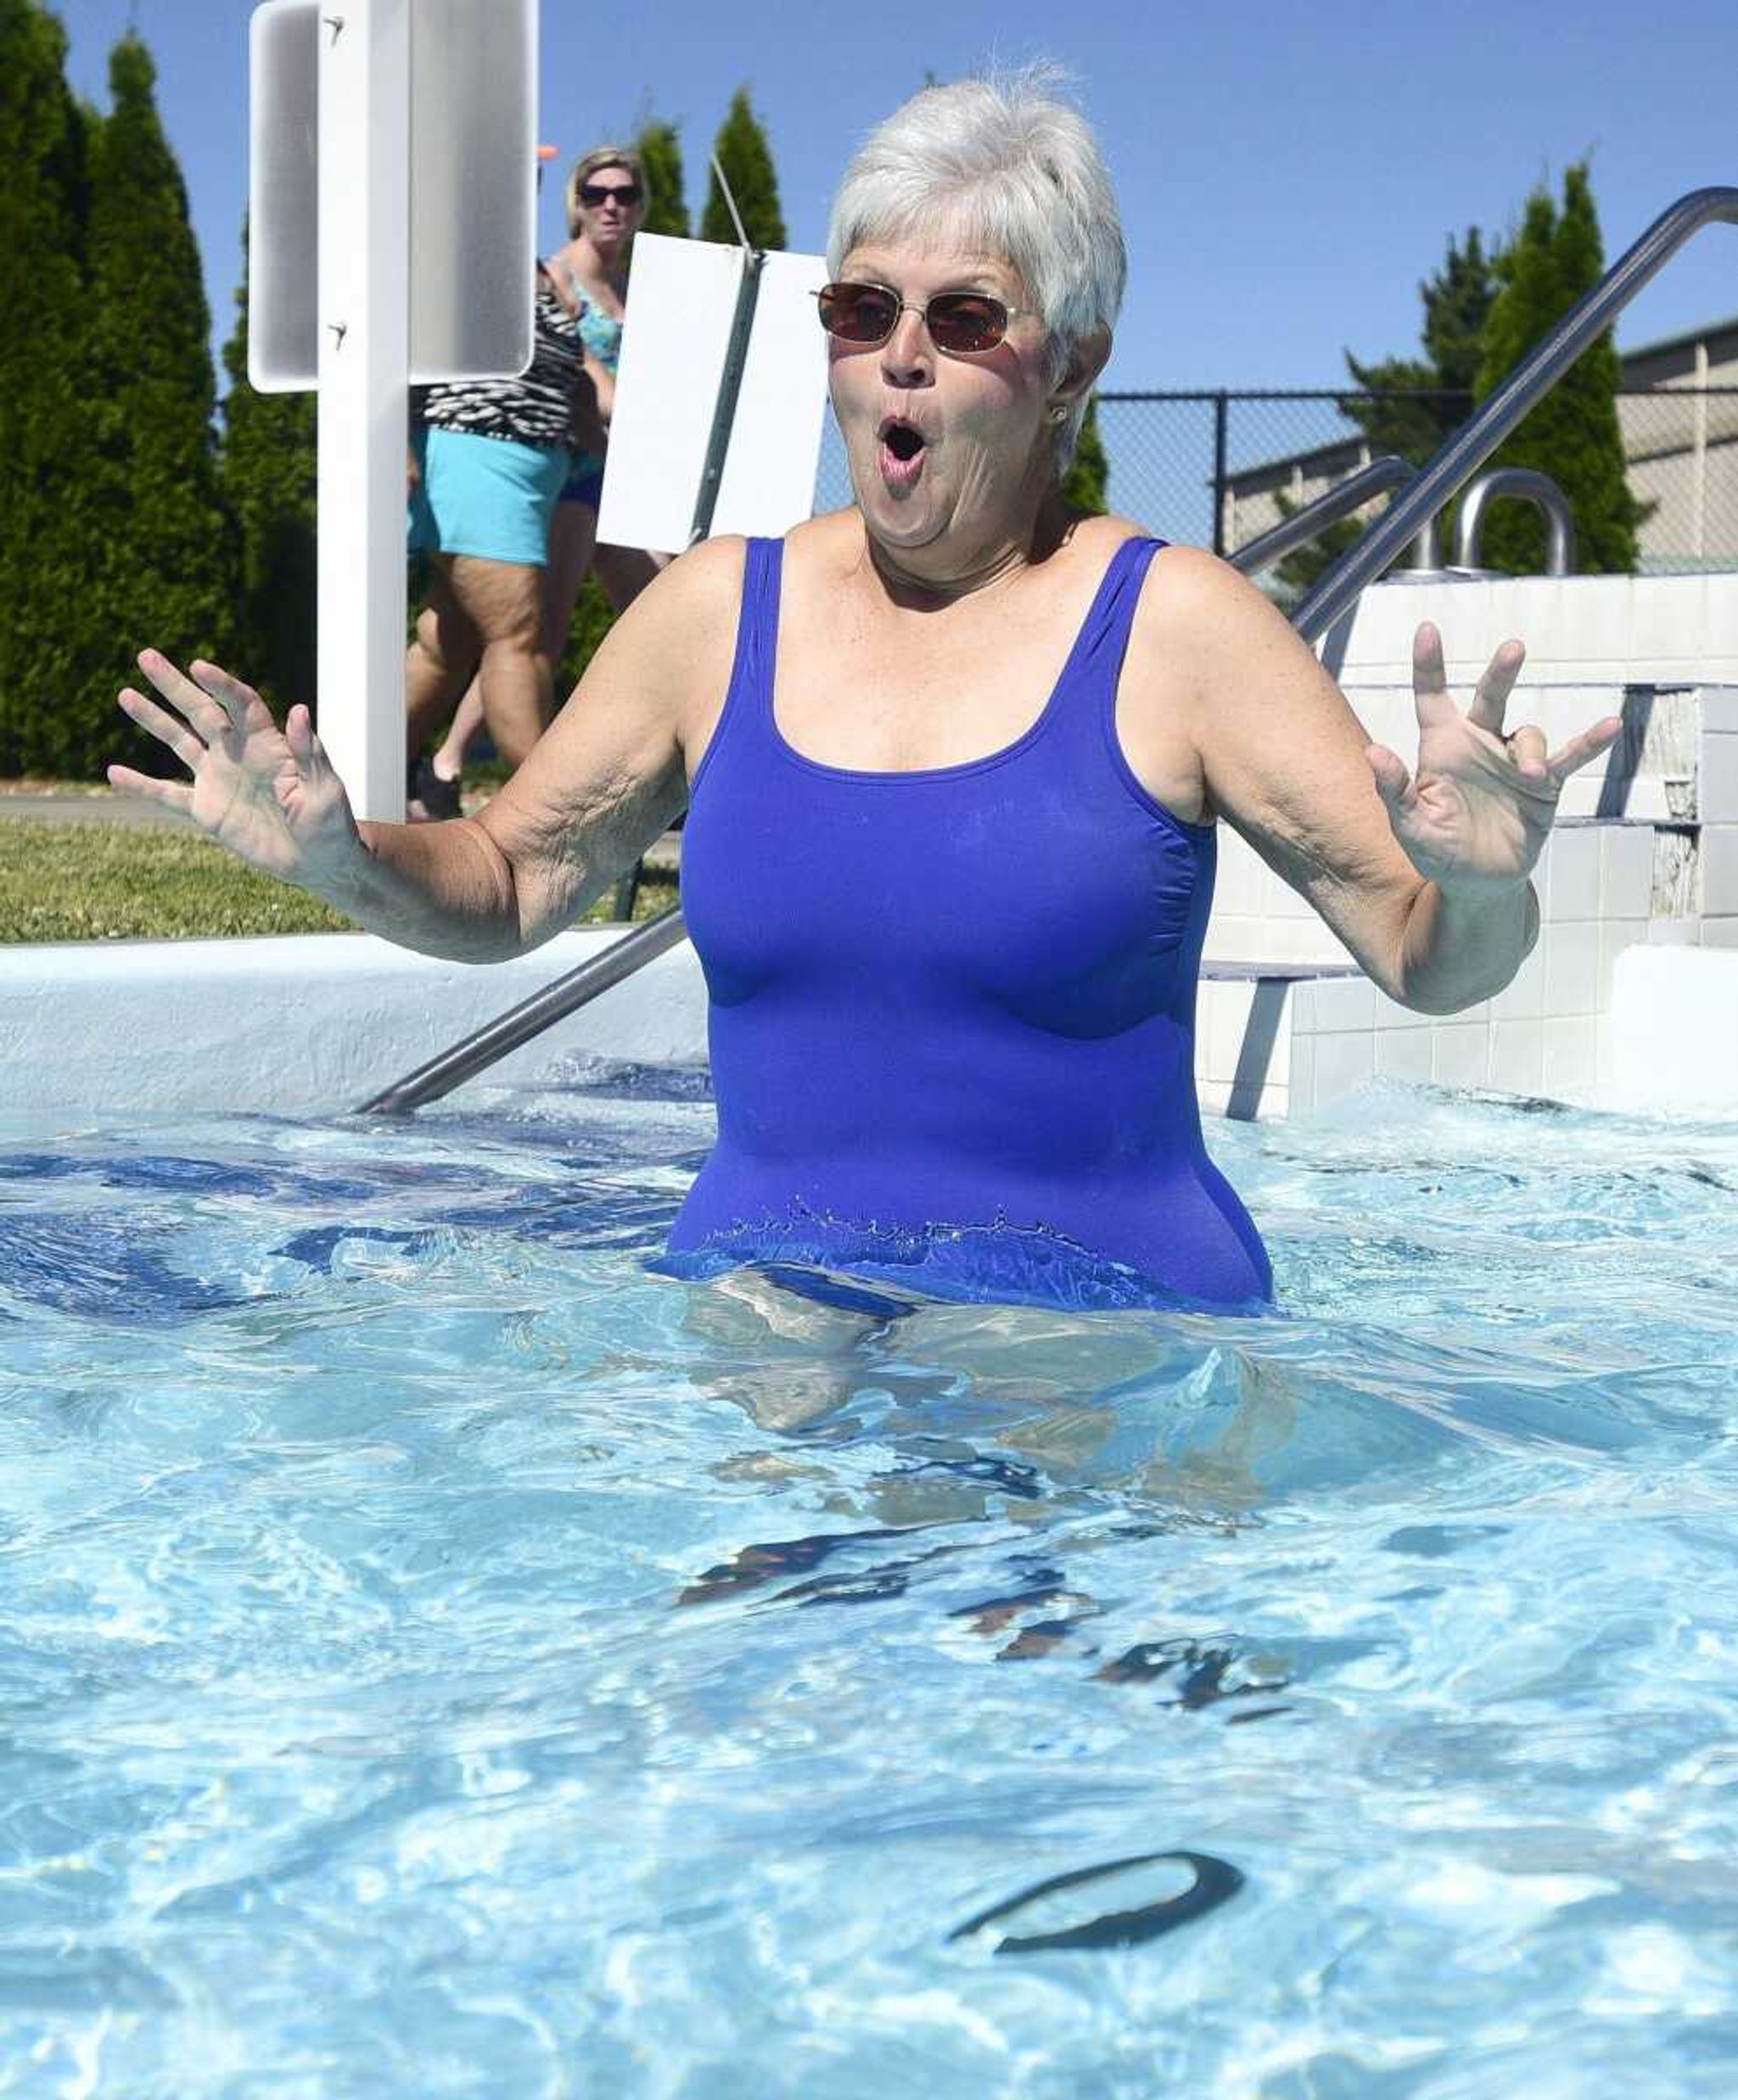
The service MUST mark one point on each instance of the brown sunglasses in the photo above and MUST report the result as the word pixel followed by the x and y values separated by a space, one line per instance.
pixel 964 324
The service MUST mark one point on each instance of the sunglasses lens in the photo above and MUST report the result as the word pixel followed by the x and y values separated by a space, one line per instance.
pixel 966 321
pixel 859 313
pixel 592 197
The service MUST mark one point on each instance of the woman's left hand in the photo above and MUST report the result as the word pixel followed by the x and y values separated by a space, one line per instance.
pixel 1476 814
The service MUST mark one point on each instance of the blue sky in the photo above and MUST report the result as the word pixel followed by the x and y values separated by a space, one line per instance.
pixel 1286 173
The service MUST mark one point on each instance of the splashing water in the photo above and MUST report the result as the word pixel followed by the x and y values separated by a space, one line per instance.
pixel 441 1655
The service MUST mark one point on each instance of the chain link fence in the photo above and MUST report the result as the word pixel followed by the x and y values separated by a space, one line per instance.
pixel 1217 469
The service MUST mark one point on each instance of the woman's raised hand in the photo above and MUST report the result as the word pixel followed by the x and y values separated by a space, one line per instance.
pixel 1477 812
pixel 269 794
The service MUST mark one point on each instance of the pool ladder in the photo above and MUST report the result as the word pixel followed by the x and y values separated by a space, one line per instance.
pixel 1409 518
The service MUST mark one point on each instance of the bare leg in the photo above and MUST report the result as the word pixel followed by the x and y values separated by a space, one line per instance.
pixel 572 533
pixel 504 601
pixel 625 572
pixel 449 761
pixel 573 540
pixel 444 654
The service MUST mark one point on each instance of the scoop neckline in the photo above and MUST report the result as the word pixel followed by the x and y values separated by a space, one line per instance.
pixel 963 767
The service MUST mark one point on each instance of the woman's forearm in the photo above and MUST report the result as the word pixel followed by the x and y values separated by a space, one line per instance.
pixel 1459 947
pixel 444 889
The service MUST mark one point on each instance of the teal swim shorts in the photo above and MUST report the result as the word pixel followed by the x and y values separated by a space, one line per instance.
pixel 492 497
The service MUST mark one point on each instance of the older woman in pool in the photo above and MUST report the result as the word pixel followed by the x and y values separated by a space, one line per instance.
pixel 955 757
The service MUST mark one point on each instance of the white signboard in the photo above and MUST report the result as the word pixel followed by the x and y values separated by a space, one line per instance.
pixel 473 187
pixel 673 350
pixel 473 191
pixel 283 196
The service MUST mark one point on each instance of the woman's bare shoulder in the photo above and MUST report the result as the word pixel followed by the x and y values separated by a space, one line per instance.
pixel 706 576
pixel 1194 600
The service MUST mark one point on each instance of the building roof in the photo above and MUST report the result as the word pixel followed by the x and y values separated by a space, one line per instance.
pixel 1674 356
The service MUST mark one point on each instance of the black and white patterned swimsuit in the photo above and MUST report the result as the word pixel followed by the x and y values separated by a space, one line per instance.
pixel 536 408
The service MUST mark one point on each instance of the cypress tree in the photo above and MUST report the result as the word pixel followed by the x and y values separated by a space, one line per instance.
pixel 1572 434
pixel 48 528
pixel 1435 391
pixel 1086 484
pixel 742 151
pixel 660 153
pixel 167 575
pixel 266 466
pixel 1456 301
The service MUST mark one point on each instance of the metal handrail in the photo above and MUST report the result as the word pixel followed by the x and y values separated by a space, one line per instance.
pixel 1534 488
pixel 1474 443
pixel 1387 472
pixel 518 1024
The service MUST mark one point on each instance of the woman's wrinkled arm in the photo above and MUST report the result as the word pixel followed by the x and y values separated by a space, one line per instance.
pixel 1425 875
pixel 598 787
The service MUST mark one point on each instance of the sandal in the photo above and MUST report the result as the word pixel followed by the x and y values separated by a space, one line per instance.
pixel 439 796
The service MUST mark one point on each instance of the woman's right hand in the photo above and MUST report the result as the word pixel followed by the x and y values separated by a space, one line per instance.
pixel 269 794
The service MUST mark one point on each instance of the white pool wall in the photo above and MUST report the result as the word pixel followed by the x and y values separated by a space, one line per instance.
pixel 1658 868
pixel 301 1024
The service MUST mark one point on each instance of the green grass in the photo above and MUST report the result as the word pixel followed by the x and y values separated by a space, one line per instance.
pixel 111 881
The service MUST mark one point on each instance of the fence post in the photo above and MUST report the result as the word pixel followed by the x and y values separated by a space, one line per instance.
pixel 1220 418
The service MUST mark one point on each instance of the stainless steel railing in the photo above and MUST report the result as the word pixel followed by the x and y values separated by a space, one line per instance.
pixel 1533 378
pixel 531 1017
pixel 1534 488
pixel 1387 472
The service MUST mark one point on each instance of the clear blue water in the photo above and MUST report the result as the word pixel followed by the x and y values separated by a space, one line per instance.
pixel 441 1656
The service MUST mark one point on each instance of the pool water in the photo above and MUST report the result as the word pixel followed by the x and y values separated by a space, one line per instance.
pixel 442 1657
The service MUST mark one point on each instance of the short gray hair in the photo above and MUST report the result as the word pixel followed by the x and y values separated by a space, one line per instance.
pixel 1002 163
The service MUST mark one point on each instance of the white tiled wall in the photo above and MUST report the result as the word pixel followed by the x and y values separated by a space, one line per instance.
pixel 1541 1034
pixel 1234 1074
pixel 1549 1029
pixel 1578 630
pixel 1547 1032
pixel 1674 1019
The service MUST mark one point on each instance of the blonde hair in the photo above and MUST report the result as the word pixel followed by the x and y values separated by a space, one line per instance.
pixel 588 165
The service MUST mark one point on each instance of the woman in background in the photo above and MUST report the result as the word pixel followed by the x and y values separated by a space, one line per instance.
pixel 607 198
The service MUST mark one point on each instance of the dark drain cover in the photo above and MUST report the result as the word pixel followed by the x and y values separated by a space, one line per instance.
pixel 1215 1882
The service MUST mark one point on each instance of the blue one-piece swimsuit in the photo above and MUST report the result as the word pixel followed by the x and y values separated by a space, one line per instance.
pixel 953 1010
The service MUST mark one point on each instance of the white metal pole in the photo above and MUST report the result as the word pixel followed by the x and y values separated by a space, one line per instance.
pixel 364 275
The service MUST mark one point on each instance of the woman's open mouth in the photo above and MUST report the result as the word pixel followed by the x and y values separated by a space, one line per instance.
pixel 902 449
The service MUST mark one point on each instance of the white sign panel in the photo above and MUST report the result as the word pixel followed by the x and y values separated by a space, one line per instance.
pixel 681 303
pixel 473 187
pixel 283 196
pixel 473 232
pixel 774 442
pixel 673 350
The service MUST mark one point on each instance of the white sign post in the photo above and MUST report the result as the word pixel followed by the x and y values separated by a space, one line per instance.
pixel 368 118
pixel 364 391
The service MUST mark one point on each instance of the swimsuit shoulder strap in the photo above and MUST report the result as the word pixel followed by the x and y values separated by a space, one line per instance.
pixel 747 700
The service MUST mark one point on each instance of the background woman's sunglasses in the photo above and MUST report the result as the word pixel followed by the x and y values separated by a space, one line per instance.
pixel 592 194
pixel 964 324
